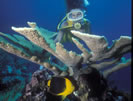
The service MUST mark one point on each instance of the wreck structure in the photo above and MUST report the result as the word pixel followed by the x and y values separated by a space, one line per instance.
pixel 36 44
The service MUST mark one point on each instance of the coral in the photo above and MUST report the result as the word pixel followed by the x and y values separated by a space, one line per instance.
pixel 36 89
pixel 36 44
pixel 22 47
pixel 14 74
pixel 40 40
pixel 13 94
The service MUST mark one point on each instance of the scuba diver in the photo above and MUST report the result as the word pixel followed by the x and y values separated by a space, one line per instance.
pixel 74 20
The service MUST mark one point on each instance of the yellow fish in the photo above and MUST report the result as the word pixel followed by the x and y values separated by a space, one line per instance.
pixel 60 86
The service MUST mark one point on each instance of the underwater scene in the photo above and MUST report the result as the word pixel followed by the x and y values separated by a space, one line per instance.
pixel 65 50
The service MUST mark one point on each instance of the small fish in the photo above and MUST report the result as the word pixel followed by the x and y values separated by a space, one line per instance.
pixel 60 86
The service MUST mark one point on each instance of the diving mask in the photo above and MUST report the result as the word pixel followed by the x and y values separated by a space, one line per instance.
pixel 75 15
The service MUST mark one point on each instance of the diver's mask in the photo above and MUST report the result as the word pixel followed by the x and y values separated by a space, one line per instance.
pixel 75 15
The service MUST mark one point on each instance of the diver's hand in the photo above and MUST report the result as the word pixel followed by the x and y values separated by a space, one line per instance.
pixel 59 37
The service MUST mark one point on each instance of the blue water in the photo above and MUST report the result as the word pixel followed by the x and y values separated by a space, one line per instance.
pixel 111 18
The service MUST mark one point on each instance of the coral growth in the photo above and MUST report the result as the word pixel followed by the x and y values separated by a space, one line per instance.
pixel 36 44
pixel 14 74
pixel 97 87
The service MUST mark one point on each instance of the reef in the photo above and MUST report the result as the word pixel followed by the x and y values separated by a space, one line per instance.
pixel 36 44
pixel 35 90
pixel 14 74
